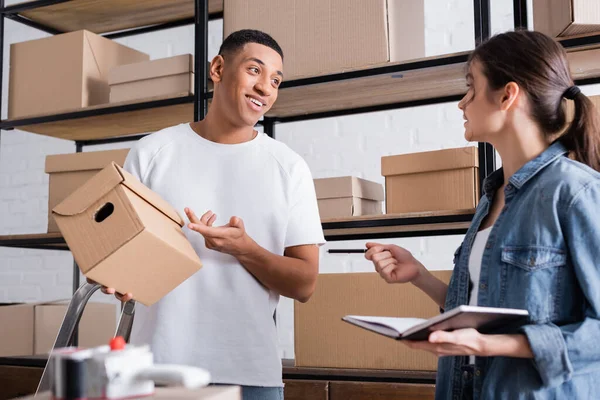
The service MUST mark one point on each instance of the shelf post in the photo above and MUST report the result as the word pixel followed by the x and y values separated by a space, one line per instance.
pixel 520 14
pixel 482 20
pixel 1 54
pixel 200 58
pixel 269 127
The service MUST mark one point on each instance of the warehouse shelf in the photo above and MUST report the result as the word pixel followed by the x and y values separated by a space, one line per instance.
pixel 45 241
pixel 102 16
pixel 365 227
pixel 390 86
pixel 398 225
pixel 110 120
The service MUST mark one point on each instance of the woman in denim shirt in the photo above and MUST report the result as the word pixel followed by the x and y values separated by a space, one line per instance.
pixel 534 242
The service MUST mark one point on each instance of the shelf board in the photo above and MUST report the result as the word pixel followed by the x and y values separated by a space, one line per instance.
pixel 102 16
pixel 46 241
pixel 395 85
pixel 389 225
pixel 110 120
pixel 398 225
pixel 390 84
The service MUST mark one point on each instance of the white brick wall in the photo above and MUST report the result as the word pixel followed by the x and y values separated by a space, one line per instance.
pixel 335 146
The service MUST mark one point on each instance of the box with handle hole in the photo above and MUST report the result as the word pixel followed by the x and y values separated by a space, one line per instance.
pixel 123 235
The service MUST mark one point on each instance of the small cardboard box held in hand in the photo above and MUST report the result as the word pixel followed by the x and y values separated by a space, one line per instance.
pixel 125 236
pixel 322 339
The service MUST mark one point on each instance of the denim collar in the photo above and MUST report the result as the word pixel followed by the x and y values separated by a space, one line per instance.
pixel 526 172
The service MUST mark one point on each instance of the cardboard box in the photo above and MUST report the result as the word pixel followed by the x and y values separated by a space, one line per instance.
pixel 74 64
pixel 125 236
pixel 566 17
pixel 325 36
pixel 28 329
pixel 348 196
pixel 70 171
pixel 97 326
pixel 167 76
pixel 431 181
pixel 16 329
pixel 322 339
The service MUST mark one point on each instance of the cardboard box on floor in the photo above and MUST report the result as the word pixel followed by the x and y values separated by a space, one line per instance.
pixel 156 78
pixel 29 329
pixel 63 72
pixel 325 36
pixel 431 181
pixel 322 339
pixel 563 18
pixel 67 172
pixel 348 196
pixel 125 236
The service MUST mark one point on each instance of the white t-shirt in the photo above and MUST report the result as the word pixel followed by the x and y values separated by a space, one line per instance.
pixel 475 259
pixel 222 318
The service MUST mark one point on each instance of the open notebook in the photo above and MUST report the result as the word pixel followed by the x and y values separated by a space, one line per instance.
pixel 484 319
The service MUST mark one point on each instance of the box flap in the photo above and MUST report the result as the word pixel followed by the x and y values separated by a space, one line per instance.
pixel 586 12
pixel 348 186
pixel 104 182
pixel 154 199
pixel 95 160
pixel 88 193
pixel 464 157
pixel 151 69
pixel 552 17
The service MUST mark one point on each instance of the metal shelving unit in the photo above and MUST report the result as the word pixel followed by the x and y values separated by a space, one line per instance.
pixel 417 82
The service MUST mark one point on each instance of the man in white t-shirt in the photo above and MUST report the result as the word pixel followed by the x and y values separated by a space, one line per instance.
pixel 257 233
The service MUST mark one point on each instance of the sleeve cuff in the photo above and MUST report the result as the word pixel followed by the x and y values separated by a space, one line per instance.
pixel 549 352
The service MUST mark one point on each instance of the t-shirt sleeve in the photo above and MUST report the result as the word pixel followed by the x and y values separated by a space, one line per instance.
pixel 304 224
pixel 133 163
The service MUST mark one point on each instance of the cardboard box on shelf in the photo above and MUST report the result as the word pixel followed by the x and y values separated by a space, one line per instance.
pixel 315 34
pixel 431 181
pixel 348 196
pixel 69 171
pixel 564 18
pixel 322 339
pixel 63 73
pixel 31 328
pixel 156 78
pixel 123 235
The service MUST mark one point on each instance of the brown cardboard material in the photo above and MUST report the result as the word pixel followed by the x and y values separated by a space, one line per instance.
pixel 325 36
pixel 564 18
pixel 74 65
pixel 431 181
pixel 16 329
pixel 348 196
pixel 154 78
pixel 322 339
pixel 29 329
pixel 70 171
pixel 97 325
pixel 125 236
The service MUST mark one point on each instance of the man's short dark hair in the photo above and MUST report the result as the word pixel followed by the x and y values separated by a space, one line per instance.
pixel 237 40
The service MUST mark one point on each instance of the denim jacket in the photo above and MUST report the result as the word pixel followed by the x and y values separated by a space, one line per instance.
pixel 543 255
